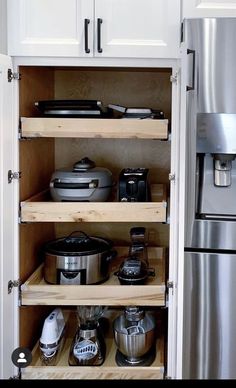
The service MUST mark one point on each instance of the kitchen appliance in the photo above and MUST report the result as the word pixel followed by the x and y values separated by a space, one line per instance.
pixel 134 270
pixel 52 337
pixel 134 333
pixel 134 185
pixel 209 342
pixel 88 346
pixel 73 108
pixel 84 182
pixel 136 113
pixel 80 259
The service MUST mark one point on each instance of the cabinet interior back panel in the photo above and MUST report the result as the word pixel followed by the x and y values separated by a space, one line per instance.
pixel 126 87
pixel 117 154
pixel 157 234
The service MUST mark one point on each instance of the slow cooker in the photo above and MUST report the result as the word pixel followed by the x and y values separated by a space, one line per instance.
pixel 78 259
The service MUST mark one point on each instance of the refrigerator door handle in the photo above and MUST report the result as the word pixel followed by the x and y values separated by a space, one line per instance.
pixel 188 88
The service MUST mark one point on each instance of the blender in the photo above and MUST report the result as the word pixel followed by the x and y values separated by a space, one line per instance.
pixel 88 346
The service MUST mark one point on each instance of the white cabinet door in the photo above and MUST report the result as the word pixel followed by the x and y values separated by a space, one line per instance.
pixel 208 8
pixel 49 27
pixel 3 26
pixel 115 28
pixel 8 222
pixel 137 28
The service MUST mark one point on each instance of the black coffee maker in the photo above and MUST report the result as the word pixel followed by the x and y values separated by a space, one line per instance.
pixel 133 185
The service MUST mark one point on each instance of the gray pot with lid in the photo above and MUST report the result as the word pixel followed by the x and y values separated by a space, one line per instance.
pixel 79 259
pixel 84 182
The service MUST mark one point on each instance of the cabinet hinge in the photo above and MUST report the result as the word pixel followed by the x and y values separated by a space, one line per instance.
pixel 11 76
pixel 174 78
pixel 170 284
pixel 13 283
pixel 171 177
pixel 13 175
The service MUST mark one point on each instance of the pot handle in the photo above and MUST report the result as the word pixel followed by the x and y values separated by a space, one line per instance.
pixel 77 231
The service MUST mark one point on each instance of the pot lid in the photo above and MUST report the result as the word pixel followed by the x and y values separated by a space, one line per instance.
pixel 84 164
pixel 77 246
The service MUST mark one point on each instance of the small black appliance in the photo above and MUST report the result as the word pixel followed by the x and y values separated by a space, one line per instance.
pixel 134 270
pixel 133 185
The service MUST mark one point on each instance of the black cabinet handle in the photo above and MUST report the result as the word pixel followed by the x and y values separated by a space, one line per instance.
pixel 86 23
pixel 99 23
pixel 193 70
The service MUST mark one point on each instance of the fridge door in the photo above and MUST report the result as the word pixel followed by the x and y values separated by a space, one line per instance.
pixel 209 345
pixel 213 40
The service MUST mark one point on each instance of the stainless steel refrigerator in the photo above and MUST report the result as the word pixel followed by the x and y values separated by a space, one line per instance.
pixel 209 347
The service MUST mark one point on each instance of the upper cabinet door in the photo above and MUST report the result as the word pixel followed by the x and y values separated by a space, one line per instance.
pixel 83 28
pixel 50 27
pixel 208 8
pixel 137 28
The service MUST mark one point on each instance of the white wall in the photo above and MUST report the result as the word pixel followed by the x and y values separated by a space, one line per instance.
pixel 3 26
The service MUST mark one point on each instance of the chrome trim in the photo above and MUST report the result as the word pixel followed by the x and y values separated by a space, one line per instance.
pixel 212 234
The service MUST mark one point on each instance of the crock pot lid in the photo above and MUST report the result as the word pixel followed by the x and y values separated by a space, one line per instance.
pixel 77 246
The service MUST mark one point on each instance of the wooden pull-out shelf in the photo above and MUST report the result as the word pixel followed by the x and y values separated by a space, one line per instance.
pixel 94 128
pixel 109 369
pixel 35 291
pixel 37 209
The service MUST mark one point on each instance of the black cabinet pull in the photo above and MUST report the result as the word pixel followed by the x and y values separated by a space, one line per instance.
pixel 193 70
pixel 99 21
pixel 86 23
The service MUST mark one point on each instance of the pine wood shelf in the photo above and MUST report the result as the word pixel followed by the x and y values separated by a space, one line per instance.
pixel 35 291
pixel 109 370
pixel 34 127
pixel 41 209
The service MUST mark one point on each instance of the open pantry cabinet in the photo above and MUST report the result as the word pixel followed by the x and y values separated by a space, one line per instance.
pixel 46 144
